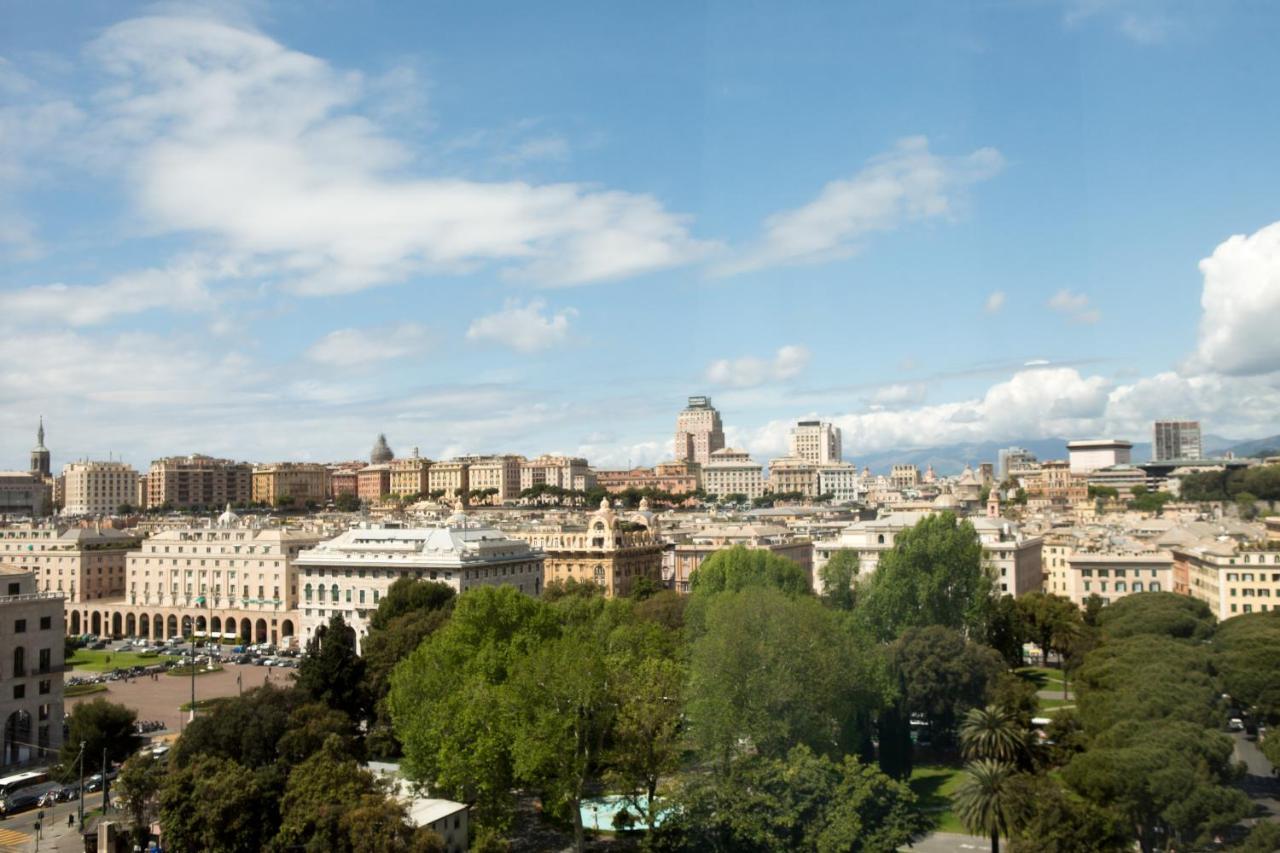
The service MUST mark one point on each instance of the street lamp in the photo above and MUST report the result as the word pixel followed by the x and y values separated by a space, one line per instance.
pixel 82 745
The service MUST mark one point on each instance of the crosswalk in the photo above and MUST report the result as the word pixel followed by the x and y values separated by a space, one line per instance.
pixel 13 838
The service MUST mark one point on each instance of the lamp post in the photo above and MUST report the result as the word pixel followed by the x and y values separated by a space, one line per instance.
pixel 82 744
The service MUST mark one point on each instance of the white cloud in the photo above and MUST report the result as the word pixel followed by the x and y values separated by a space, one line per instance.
pixel 526 327
pixel 181 286
pixel 1075 306
pixel 897 396
pixel 1241 303
pixel 349 347
pixel 995 302
pixel 749 371
pixel 908 183
pixel 224 132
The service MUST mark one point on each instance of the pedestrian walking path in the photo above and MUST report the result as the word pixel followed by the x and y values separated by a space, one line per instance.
pixel 12 839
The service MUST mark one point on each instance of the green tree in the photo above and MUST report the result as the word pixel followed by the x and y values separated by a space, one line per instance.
pixel 571 588
pixel 1166 613
pixel 645 746
pixel 218 805
pixel 448 699
pixel 246 729
pixel 1006 629
pixel 1263 838
pixel 933 575
pixel 739 567
pixel 941 675
pixel 801 801
pixel 1054 820
pixel 410 595
pixel 838 576
pixel 332 672
pixel 138 787
pixel 986 800
pixel 992 733
pixel 1051 620
pixel 347 502
pixel 561 711
pixel 101 726
pixel 645 587
pixel 777 671
pixel 1247 667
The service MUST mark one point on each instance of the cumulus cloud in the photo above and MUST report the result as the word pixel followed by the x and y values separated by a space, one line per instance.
pixel 995 302
pixel 1241 304
pixel 908 183
pixel 349 347
pixel 225 132
pixel 525 327
pixel 897 396
pixel 750 371
pixel 1075 306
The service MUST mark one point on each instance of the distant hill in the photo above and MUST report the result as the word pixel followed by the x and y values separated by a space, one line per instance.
pixel 951 459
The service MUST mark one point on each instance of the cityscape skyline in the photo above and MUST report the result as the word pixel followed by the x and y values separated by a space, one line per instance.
pixel 244 295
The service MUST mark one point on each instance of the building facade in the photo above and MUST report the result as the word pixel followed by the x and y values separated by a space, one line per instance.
pixel 609 550
pixel 699 432
pixel 98 488
pixel 1090 454
pixel 31 663
pixel 226 582
pixel 816 442
pixel 1232 580
pixel 678 478
pixel 1176 440
pixel 565 472
pixel 23 494
pixel 83 564
pixel 451 478
pixel 790 475
pixel 733 472
pixel 503 474
pixel 680 561
pixel 198 482
pixel 291 484
pixel 373 482
pixel 841 481
pixel 350 573
pixel 409 475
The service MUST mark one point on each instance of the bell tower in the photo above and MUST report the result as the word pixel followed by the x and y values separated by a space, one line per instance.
pixel 40 455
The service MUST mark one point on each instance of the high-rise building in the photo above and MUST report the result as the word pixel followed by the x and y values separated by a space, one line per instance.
pixel 198 482
pixel 1176 440
pixel 98 488
pixel 1091 454
pixel 816 441
pixel 699 432
pixel 40 455
pixel 1013 460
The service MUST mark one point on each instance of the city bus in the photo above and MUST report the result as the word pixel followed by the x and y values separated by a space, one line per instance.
pixel 12 784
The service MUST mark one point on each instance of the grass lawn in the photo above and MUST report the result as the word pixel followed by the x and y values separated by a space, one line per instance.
pixel 105 660
pixel 1044 678
pixel 933 785
pixel 203 704
pixel 84 689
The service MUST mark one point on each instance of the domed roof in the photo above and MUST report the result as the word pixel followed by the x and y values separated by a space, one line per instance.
pixel 228 518
pixel 381 453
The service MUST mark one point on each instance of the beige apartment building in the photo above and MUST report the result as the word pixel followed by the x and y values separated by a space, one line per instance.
pixel 350 573
pixel 451 477
pixel 24 494
pixel 502 473
pixel 98 488
pixel 791 475
pixel 291 484
pixel 904 477
pixel 699 432
pixel 225 582
pixel 409 475
pixel 608 550
pixel 566 472
pixel 373 482
pixel 1231 579
pixel 31 663
pixel 1113 576
pixel 678 478
pixel 732 471
pixel 198 482
pixel 84 564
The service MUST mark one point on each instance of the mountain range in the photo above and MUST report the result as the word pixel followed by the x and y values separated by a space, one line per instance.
pixel 950 459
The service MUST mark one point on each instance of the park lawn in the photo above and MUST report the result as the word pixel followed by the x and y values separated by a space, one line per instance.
pixel 1049 706
pixel 105 660
pixel 185 671
pixel 933 785
pixel 1043 677
pixel 204 704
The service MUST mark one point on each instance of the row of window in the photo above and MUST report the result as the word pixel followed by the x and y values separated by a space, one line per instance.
pixel 20 625
pixel 1122 586
pixel 1102 573
pixel 1249 577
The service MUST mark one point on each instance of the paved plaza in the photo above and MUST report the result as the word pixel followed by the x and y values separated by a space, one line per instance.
pixel 161 698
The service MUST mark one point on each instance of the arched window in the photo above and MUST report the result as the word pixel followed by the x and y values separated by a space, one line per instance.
pixel 321 588
pixel 334 590
pixel 1155 586
pixel 306 590
pixel 1137 586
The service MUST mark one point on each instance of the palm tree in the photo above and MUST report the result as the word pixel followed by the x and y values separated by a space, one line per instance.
pixel 986 802
pixel 993 733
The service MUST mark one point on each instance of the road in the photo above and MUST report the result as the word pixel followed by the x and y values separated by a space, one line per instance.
pixel 948 842
pixel 18 833
pixel 1260 784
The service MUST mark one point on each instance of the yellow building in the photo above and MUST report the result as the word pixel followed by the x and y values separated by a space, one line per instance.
pixel 450 477
pixel 409 475
pixel 291 484
pixel 608 550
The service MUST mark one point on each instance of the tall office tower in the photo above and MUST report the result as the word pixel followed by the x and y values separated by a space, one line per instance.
pixel 816 442
pixel 699 432
pixel 1176 440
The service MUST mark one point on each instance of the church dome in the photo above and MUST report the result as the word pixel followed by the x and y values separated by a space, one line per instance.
pixel 381 453
pixel 228 518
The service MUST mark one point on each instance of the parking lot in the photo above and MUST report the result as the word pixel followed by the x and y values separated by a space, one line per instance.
pixel 159 696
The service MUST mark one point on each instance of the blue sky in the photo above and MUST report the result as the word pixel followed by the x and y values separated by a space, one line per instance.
pixel 271 231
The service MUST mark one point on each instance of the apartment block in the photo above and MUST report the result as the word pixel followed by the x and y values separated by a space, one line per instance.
pixel 198 482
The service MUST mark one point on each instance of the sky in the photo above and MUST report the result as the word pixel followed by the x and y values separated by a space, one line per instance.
pixel 271 231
